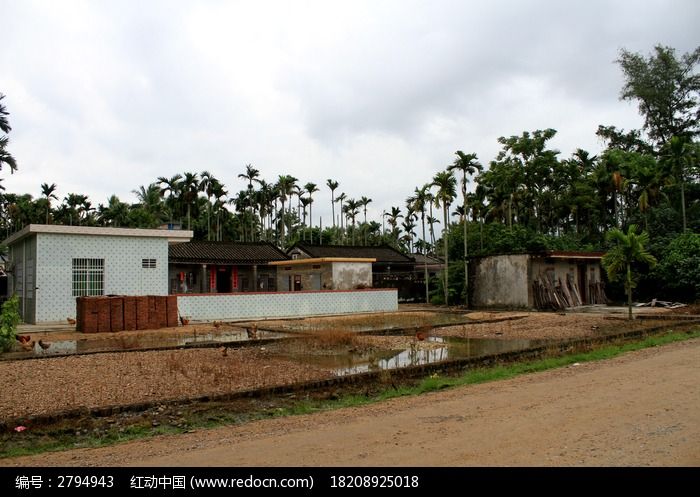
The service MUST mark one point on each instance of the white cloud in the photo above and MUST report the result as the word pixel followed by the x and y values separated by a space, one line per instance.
pixel 106 96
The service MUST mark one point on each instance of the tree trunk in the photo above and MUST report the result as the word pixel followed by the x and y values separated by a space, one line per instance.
pixel 333 207
pixel 425 260
pixel 481 232
pixel 209 221
pixel 510 212
pixel 466 252
pixel 683 202
pixel 444 236
pixel 432 230
pixel 629 292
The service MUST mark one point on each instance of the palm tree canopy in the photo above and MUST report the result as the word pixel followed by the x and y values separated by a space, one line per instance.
pixel 5 156
pixel 251 174
pixel 48 190
pixel 311 188
pixel 468 164
pixel 4 123
pixel 447 187
pixel 627 248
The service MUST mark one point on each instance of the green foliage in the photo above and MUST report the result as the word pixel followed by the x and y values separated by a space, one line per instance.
pixel 627 249
pixel 678 271
pixel 455 287
pixel 5 156
pixel 666 89
pixel 9 319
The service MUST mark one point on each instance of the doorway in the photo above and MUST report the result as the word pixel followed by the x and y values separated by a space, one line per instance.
pixel 297 282
pixel 223 279
pixel 582 283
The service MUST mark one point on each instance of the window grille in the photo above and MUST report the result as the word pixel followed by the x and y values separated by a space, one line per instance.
pixel 148 263
pixel 88 277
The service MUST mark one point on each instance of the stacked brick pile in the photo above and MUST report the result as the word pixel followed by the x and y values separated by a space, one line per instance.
pixel 103 314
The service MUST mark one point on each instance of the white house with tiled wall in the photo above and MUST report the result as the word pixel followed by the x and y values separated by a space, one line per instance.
pixel 51 265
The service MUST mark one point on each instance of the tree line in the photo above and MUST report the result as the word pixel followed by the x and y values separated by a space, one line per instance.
pixel 529 198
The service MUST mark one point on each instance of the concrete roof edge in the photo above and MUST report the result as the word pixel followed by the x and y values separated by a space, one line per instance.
pixel 59 229
pixel 317 260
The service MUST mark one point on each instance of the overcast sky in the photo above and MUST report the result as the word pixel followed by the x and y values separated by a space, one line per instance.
pixel 104 96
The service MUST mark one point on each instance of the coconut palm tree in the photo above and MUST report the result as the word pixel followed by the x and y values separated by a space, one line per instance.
pixel 48 191
pixel 677 155
pixel 363 202
pixel 627 249
pixel 340 199
pixel 5 156
pixel 171 186
pixel 447 191
pixel 251 175
pixel 332 185
pixel 418 201
pixel 151 202
pixel 469 165
pixel 351 210
pixel 4 123
pixel 285 187
pixel 115 213
pixel 305 202
pixel 218 192
pixel 207 184
pixel 189 187
pixel 311 188
pixel 393 221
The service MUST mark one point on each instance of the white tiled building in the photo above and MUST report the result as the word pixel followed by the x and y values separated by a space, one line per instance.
pixel 50 265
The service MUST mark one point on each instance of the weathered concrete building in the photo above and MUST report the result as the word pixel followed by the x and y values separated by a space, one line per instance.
pixel 532 280
pixel 51 265
pixel 324 273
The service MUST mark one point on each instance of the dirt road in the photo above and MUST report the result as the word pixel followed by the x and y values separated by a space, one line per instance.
pixel 639 409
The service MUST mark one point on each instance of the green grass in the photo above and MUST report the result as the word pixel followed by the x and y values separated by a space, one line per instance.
pixel 62 439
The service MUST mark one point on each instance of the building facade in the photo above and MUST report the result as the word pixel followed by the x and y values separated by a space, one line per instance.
pixel 223 267
pixel 324 273
pixel 532 280
pixel 50 265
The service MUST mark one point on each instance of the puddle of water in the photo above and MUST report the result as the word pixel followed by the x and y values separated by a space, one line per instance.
pixel 455 348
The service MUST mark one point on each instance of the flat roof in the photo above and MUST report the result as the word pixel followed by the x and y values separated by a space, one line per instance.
pixel 59 229
pixel 320 260
pixel 562 254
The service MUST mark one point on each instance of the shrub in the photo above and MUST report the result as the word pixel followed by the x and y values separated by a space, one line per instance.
pixel 9 319
pixel 679 268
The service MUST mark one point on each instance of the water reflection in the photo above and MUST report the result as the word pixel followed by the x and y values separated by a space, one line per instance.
pixel 454 348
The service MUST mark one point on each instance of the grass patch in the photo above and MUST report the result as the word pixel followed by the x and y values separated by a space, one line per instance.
pixel 97 432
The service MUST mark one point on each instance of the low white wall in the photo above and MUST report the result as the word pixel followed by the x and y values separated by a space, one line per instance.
pixel 288 304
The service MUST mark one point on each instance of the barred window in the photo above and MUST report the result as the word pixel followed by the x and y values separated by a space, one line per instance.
pixel 148 263
pixel 88 277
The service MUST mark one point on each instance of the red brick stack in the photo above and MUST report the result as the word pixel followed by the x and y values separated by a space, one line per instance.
pixel 129 304
pixel 171 311
pixel 102 314
pixel 86 315
pixel 116 314
pixel 104 322
pixel 142 312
